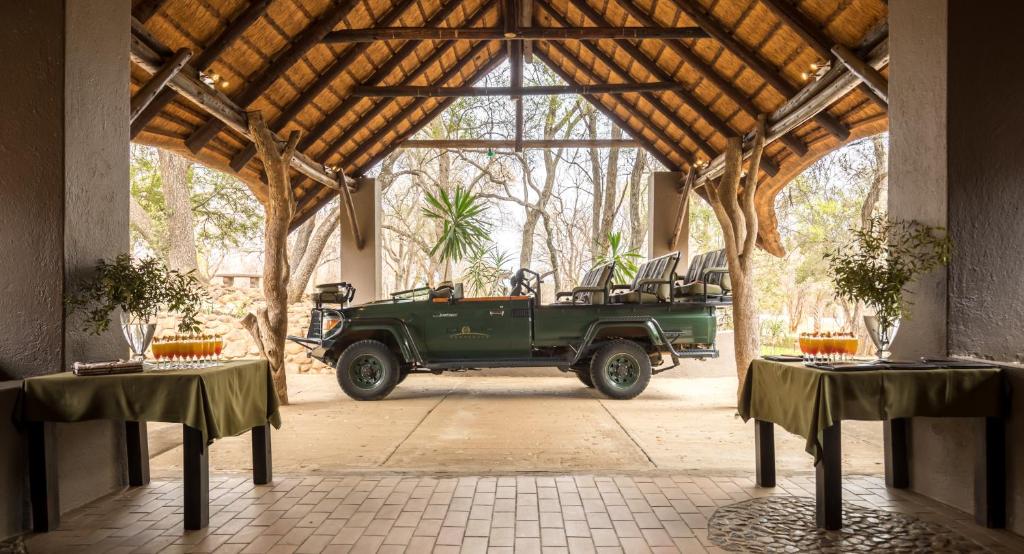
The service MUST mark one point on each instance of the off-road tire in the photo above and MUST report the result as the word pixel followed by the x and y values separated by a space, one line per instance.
pixel 584 376
pixel 621 369
pixel 368 370
pixel 402 375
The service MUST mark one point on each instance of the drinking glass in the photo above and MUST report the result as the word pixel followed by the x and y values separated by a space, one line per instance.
pixel 218 346
pixel 802 340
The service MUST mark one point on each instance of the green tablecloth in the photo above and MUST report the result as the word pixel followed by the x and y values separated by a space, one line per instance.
pixel 220 401
pixel 805 401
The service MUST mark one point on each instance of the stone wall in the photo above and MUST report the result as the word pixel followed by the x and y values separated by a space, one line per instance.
pixel 229 305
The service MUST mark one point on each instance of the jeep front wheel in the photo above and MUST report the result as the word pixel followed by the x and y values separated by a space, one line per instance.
pixel 368 370
pixel 584 376
pixel 621 369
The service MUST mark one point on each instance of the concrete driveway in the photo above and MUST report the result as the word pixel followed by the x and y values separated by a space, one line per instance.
pixel 491 422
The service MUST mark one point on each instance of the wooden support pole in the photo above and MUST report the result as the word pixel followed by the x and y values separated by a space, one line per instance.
pixel 871 77
pixel 219 106
pixel 535 33
pixel 350 212
pixel 296 49
pixel 439 92
pixel 149 91
pixel 209 54
pixel 527 144
pixel 684 207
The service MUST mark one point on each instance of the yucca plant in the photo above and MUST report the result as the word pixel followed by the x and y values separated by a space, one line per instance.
pixel 464 229
pixel 625 260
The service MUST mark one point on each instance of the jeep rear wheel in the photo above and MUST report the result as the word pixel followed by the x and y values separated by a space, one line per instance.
pixel 368 370
pixel 621 369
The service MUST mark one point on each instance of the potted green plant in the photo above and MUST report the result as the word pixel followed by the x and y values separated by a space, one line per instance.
pixel 875 268
pixel 140 288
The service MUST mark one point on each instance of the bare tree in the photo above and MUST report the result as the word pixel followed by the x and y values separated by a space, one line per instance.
pixel 181 240
pixel 307 250
pixel 269 325
pixel 637 227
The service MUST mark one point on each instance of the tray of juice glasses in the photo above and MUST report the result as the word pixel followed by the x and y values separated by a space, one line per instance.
pixel 186 351
pixel 870 365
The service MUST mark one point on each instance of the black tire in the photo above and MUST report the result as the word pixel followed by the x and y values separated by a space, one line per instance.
pixel 584 376
pixel 402 375
pixel 621 369
pixel 368 370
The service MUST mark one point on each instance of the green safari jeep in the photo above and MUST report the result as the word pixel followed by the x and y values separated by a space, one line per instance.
pixel 612 337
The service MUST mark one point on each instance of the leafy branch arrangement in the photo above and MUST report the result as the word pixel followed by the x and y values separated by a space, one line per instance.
pixel 883 258
pixel 626 261
pixel 140 288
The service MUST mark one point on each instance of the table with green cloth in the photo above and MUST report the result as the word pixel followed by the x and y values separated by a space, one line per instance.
pixel 223 400
pixel 813 402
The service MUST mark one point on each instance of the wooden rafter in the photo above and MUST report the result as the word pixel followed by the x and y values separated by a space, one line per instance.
pixel 143 10
pixel 436 92
pixel 708 72
pixel 754 62
pixel 217 105
pixel 319 84
pixel 148 92
pixel 209 54
pixel 537 33
pixel 871 76
pixel 800 109
pixel 623 124
pixel 296 49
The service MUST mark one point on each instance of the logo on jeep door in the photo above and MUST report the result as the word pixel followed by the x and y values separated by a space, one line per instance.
pixel 466 333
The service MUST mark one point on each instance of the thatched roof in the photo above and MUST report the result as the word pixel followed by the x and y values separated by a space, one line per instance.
pixel 271 57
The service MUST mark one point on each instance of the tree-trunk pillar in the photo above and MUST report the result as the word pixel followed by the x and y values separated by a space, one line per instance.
pixel 362 267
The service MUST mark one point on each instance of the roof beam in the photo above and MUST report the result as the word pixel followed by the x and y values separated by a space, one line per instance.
pixel 527 144
pixel 520 33
pixel 800 109
pixel 657 72
pixel 436 92
pixel 510 21
pixel 319 84
pixel 754 62
pixel 297 48
pixel 205 58
pixel 143 10
pixel 219 106
pixel 149 91
pixel 420 69
pixel 633 111
pixel 709 73
pixel 871 76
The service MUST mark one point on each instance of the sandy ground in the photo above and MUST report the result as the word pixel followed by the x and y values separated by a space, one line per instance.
pixel 491 422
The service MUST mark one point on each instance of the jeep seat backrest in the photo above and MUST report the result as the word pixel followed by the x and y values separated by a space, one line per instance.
pixel 696 266
pixel 598 277
pixel 662 269
pixel 718 260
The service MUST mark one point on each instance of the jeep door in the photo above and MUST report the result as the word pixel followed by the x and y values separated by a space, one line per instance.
pixel 479 328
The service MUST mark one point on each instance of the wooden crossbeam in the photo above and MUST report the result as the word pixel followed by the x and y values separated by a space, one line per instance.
pixel 437 92
pixel 306 40
pixel 833 86
pixel 754 62
pixel 209 54
pixel 520 33
pixel 215 103
pixel 684 207
pixel 319 84
pixel 149 91
pixel 871 76
pixel 534 144
pixel 622 123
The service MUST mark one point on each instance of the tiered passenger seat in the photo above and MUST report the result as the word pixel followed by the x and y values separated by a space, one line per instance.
pixel 707 276
pixel 593 288
pixel 653 282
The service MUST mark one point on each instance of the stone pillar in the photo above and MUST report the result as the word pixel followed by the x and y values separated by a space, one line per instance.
pixel 362 267
pixel 955 122
pixel 64 184
pixel 663 209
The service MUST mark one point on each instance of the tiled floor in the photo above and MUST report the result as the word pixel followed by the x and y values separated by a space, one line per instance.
pixel 421 513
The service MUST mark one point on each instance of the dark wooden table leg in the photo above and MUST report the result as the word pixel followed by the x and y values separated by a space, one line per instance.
pixel 197 479
pixel 897 469
pixel 990 476
pixel 829 480
pixel 42 472
pixel 137 441
pixel 764 443
pixel 262 459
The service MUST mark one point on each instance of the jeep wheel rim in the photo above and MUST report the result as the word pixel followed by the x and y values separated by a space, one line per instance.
pixel 366 371
pixel 623 371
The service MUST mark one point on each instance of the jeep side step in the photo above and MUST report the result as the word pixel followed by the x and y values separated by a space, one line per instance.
pixel 493 363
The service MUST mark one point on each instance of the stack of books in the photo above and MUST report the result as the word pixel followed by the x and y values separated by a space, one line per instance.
pixel 107 368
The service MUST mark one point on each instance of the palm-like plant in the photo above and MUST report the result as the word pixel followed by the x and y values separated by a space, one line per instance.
pixel 625 260
pixel 486 270
pixel 464 229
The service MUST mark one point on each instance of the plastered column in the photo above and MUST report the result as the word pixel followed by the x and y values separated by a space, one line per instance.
pixel 663 209
pixel 362 267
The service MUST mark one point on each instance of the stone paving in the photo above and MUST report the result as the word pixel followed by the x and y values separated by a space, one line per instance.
pixel 365 513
